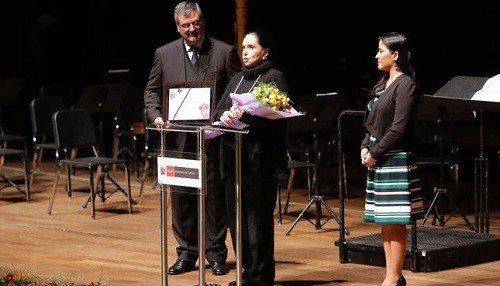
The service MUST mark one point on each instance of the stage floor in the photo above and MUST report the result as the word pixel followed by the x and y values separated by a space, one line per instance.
pixel 437 249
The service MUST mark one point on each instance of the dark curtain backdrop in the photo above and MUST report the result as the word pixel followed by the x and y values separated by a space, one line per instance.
pixel 320 47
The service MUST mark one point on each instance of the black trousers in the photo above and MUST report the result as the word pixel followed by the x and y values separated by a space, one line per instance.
pixel 185 213
pixel 258 195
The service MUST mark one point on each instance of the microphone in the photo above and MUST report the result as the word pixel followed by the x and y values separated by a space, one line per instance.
pixel 193 83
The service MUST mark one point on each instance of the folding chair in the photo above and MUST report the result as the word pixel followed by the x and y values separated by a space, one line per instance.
pixel 129 125
pixel 74 129
pixel 59 89
pixel 41 111
pixel 151 153
pixel 293 166
pixel 10 152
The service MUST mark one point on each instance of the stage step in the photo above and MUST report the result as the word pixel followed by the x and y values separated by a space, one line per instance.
pixel 437 249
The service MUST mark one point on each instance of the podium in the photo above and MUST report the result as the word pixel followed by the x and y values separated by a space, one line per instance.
pixel 196 177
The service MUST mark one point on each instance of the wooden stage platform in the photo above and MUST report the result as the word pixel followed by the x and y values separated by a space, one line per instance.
pixel 124 249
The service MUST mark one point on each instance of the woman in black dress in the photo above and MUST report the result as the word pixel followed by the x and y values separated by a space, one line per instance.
pixel 263 159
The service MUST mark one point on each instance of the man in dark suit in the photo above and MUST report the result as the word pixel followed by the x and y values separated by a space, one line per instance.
pixel 215 61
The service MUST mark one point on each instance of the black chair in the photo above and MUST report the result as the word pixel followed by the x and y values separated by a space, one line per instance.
pixel 41 111
pixel 10 88
pixel 315 132
pixel 59 89
pixel 74 129
pixel 12 145
pixel 300 143
pixel 436 151
pixel 301 129
pixel 5 151
pixel 293 166
pixel 9 181
pixel 312 136
pixel 151 147
pixel 129 127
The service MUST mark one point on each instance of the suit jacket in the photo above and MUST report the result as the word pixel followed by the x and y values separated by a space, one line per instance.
pixel 220 60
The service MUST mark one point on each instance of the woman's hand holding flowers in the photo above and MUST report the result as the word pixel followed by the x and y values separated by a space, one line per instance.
pixel 229 117
pixel 236 111
pixel 226 118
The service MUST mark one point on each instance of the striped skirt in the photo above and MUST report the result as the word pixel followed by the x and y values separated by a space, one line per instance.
pixel 393 193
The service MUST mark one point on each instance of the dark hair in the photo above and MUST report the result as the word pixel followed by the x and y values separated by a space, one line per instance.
pixel 264 39
pixel 396 42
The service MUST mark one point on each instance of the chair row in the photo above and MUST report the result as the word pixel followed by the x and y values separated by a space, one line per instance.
pixel 75 145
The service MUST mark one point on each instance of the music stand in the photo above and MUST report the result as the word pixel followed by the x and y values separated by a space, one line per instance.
pixel 102 99
pixel 327 106
pixel 458 93
pixel 432 109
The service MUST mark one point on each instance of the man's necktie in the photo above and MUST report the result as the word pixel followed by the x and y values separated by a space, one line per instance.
pixel 194 56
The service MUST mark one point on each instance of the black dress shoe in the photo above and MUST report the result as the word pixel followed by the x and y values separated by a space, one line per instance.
pixel 219 267
pixel 243 283
pixel 181 266
pixel 401 281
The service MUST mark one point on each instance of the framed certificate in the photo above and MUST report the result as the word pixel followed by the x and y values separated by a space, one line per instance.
pixel 188 102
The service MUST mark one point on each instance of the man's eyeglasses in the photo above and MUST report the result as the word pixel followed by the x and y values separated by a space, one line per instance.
pixel 196 24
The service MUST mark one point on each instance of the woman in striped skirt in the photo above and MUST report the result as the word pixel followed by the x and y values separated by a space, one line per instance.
pixel 393 195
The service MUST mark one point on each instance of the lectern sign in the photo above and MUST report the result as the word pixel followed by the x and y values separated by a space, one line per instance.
pixel 179 172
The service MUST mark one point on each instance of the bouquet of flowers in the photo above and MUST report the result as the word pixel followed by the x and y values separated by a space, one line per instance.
pixel 270 95
pixel 265 100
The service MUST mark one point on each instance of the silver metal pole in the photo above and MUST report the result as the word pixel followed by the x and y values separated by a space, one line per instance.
pixel 201 209
pixel 163 216
pixel 164 255
pixel 238 208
